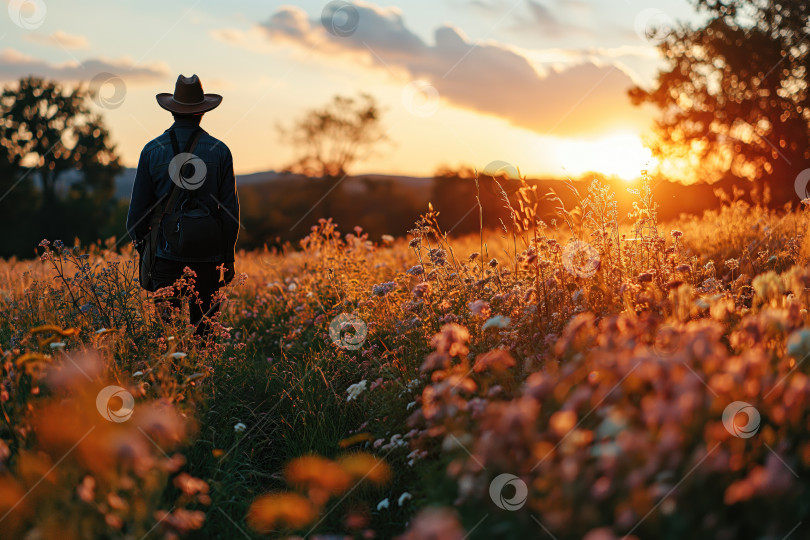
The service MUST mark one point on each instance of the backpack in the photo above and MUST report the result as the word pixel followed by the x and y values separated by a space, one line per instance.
pixel 190 231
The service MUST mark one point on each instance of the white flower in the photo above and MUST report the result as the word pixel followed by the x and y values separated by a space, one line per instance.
pixel 178 355
pixel 101 330
pixel 137 374
pixel 292 287
pixel 382 504
pixel 396 440
pixel 498 321
pixel 415 455
pixel 58 345
pixel 240 427
pixel 355 390
pixel 404 497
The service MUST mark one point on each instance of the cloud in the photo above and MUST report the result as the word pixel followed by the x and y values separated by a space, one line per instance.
pixel 489 78
pixel 58 38
pixel 544 19
pixel 14 65
pixel 533 17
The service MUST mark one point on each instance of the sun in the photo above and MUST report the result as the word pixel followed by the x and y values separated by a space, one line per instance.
pixel 621 154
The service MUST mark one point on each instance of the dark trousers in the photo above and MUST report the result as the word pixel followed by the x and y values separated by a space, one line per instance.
pixel 200 299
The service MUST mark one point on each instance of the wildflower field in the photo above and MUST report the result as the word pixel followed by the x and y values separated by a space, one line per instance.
pixel 588 374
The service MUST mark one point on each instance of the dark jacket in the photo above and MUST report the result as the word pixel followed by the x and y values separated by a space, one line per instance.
pixel 153 185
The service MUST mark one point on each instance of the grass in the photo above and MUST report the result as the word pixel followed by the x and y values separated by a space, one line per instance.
pixel 589 354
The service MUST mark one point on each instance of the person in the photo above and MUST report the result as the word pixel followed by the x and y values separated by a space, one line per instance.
pixel 205 181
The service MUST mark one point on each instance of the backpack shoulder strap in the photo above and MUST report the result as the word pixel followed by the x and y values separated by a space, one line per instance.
pixel 193 139
pixel 190 146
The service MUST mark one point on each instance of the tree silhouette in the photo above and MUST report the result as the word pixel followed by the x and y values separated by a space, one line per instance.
pixel 734 96
pixel 51 130
pixel 332 138
pixel 49 135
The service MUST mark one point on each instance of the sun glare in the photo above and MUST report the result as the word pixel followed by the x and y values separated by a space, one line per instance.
pixel 619 154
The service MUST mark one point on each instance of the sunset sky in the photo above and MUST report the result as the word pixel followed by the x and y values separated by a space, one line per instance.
pixel 541 84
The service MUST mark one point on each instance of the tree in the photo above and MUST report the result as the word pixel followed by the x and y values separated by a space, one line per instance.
pixel 50 135
pixel 734 96
pixel 332 138
pixel 51 130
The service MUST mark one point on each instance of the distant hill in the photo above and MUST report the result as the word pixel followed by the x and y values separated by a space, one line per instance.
pixel 279 207
pixel 687 198
pixel 125 179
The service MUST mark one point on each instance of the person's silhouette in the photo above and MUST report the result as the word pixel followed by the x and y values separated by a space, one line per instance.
pixel 195 190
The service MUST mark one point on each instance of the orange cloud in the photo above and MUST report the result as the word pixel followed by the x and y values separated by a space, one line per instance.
pixel 59 38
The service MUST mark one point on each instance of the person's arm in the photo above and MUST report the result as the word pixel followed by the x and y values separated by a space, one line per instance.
pixel 142 200
pixel 229 200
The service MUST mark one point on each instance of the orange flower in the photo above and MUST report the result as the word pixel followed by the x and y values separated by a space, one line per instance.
pixel 320 476
pixel 12 505
pixel 363 466
pixel 562 422
pixel 354 439
pixel 496 360
pixel 280 511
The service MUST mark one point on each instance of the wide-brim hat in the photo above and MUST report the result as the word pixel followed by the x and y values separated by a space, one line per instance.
pixel 188 97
